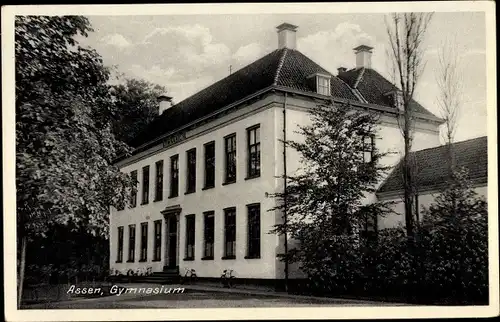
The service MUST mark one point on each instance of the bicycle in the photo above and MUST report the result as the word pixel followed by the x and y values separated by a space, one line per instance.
pixel 189 276
pixel 227 278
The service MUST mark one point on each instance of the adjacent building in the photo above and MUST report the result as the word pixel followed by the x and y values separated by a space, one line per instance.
pixel 206 166
pixel 431 174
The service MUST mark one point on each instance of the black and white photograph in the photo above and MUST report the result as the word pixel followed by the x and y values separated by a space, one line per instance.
pixel 300 160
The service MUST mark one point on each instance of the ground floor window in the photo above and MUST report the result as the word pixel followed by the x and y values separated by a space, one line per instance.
pixel 230 233
pixel 144 241
pixel 131 243
pixel 209 235
pixel 119 255
pixel 253 250
pixel 190 236
pixel 157 241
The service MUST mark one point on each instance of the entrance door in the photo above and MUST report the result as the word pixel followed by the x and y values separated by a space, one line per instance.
pixel 172 242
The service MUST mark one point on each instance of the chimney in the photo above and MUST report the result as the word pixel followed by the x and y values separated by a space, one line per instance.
pixel 363 56
pixel 164 102
pixel 341 70
pixel 287 36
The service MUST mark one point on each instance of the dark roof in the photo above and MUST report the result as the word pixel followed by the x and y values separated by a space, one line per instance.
pixel 283 68
pixel 374 88
pixel 432 165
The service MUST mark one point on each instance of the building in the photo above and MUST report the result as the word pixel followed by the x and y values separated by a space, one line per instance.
pixel 431 174
pixel 206 165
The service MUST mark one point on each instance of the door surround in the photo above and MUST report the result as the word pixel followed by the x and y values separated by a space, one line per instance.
pixel 171 215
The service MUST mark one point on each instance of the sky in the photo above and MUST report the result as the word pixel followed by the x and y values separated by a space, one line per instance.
pixel 187 53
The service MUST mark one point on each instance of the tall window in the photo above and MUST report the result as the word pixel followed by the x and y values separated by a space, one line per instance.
pixel 119 255
pixel 191 170
pixel 230 233
pixel 144 241
pixel 323 85
pixel 145 184
pixel 190 230
pixel 209 235
pixel 174 176
pixel 157 241
pixel 253 250
pixel 209 165
pixel 133 194
pixel 159 181
pixel 369 228
pixel 253 151
pixel 131 243
pixel 368 148
pixel 230 158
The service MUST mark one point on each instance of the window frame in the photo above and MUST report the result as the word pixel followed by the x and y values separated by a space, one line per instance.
pixel 208 232
pixel 174 176
pixel 133 193
pixel 209 178
pixel 229 231
pixel 190 242
pixel 253 253
pixel 131 243
pixel 190 171
pixel 145 185
pixel 157 240
pixel 323 89
pixel 159 165
pixel 144 242
pixel 120 237
pixel 251 171
pixel 368 147
pixel 230 158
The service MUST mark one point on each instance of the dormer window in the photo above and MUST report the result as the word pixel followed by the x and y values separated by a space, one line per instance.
pixel 321 83
pixel 397 99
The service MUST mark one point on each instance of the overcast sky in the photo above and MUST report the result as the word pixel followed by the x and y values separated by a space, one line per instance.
pixel 186 53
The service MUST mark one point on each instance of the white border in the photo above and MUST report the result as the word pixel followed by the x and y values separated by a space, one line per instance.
pixel 8 130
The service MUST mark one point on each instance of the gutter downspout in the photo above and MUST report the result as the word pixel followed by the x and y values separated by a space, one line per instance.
pixel 285 194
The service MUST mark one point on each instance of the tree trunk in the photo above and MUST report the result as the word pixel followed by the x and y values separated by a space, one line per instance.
pixel 22 264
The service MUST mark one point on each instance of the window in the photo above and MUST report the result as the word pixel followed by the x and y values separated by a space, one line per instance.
pixel 174 176
pixel 144 241
pixel 369 228
pixel 368 148
pixel 209 165
pixel 253 250
pixel 131 243
pixel 323 85
pixel 145 185
pixel 209 235
pixel 253 151
pixel 190 230
pixel 157 241
pixel 230 233
pixel 119 255
pixel 191 171
pixel 230 158
pixel 159 181
pixel 133 194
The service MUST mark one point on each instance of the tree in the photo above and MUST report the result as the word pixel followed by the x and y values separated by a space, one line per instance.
pixel 406 33
pixel 64 144
pixel 324 199
pixel 135 105
pixel 449 100
pixel 455 240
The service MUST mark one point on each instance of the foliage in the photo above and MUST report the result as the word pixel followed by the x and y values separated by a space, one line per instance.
pixel 136 106
pixel 64 142
pixel 324 199
pixel 448 263
pixel 455 239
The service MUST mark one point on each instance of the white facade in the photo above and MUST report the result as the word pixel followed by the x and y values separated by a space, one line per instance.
pixel 425 199
pixel 267 112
